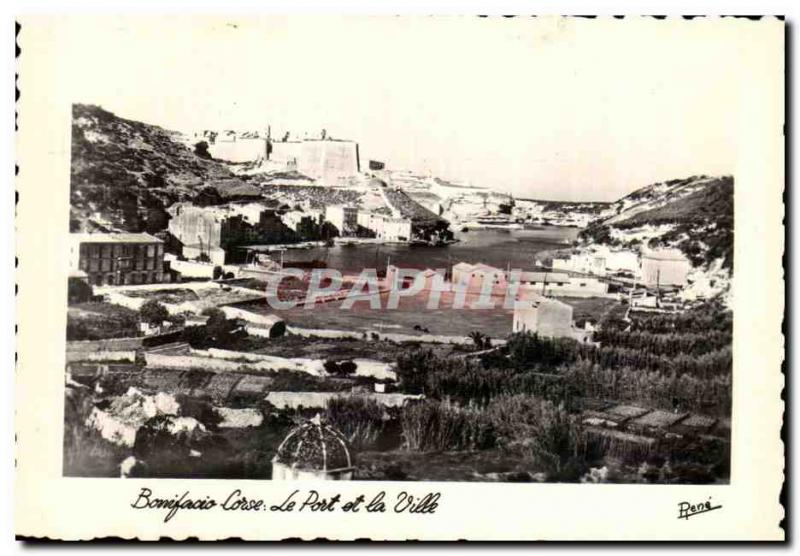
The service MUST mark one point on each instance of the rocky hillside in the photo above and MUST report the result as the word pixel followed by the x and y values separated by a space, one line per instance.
pixel 693 214
pixel 125 173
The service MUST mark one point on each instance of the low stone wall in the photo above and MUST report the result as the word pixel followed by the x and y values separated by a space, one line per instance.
pixel 193 269
pixel 311 366
pixel 392 336
pixel 256 318
pixel 103 355
pixel 294 400
pixel 109 344
pixel 191 362
pixel 221 360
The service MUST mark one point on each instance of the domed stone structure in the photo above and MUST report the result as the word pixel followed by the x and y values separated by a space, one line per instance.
pixel 313 450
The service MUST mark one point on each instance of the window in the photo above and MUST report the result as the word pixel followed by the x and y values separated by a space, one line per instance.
pixel 106 251
pixel 110 279
pixel 118 250
pixel 94 265
pixel 151 250
pixel 151 264
pixel 94 251
pixel 105 264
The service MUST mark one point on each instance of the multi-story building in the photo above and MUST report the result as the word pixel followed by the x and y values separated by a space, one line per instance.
pixel 213 232
pixel 387 228
pixel 117 258
pixel 344 218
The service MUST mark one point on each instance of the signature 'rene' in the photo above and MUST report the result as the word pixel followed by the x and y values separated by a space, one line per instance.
pixel 687 510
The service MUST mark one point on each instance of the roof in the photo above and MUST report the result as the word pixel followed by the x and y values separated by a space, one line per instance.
pixel 476 266
pixel 314 445
pixel 204 246
pixel 238 190
pixel 400 202
pixel 544 276
pixel 114 238
pixel 538 301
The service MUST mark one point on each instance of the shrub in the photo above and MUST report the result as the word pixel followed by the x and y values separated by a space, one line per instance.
pixel 536 429
pixel 195 336
pixel 219 328
pixel 439 426
pixel 153 312
pixel 361 420
pixel 78 291
pixel 100 321
pixel 340 368
pixel 201 149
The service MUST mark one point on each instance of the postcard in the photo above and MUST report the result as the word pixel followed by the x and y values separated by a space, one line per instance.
pixel 399 278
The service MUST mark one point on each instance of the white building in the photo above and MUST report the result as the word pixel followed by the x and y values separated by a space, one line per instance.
pixel 294 218
pixel 664 267
pixel 599 261
pixel 387 228
pixel 474 275
pixel 393 229
pixel 540 283
pixel 548 318
pixel 343 217
pixel 560 284
pixel 587 263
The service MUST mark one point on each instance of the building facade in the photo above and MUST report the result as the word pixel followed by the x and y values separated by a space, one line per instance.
pixel 664 267
pixel 117 259
pixel 561 284
pixel 529 283
pixel 326 160
pixel 548 318
pixel 344 218
pixel 211 233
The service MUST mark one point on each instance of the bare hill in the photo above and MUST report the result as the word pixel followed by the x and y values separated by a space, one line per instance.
pixel 124 173
pixel 693 214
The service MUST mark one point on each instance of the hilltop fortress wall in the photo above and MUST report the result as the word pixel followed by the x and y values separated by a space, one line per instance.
pixel 240 150
pixel 325 160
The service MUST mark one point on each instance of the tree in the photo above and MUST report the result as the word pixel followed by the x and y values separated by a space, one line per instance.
pixel 201 149
pixel 78 290
pixel 153 312
pixel 218 327
pixel 478 338
pixel 340 368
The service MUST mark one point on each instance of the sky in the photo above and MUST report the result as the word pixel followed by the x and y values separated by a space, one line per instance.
pixel 548 108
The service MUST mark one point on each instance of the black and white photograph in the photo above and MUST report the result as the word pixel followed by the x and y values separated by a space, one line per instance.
pixel 308 280
pixel 303 263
